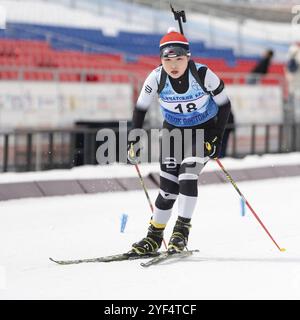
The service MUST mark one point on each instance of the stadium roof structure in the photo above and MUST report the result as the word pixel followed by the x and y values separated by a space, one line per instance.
pixel 275 11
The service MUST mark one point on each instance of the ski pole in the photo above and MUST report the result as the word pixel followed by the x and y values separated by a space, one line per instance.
pixel 228 176
pixel 132 156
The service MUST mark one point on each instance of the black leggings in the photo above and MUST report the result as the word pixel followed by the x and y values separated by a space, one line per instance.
pixel 180 168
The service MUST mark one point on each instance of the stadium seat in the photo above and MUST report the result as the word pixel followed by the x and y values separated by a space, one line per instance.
pixel 127 54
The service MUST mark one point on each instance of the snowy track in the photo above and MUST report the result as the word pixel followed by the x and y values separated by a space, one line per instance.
pixel 237 259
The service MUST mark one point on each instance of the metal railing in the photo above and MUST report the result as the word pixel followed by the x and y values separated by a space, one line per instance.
pixel 262 139
pixel 33 150
pixel 20 73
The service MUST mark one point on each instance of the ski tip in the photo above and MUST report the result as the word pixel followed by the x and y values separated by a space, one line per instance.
pixel 165 255
pixel 55 261
pixel 143 264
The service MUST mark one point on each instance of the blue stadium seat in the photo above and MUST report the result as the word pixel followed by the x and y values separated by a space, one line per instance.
pixel 131 43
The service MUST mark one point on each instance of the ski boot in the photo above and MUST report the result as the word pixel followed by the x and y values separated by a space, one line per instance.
pixel 179 237
pixel 151 243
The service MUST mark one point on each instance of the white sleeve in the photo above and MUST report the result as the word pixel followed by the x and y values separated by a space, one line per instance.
pixel 211 83
pixel 148 92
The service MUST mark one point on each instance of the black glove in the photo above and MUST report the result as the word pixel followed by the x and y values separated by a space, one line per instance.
pixel 212 147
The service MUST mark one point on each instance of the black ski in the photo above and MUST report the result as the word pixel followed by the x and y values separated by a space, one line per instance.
pixel 117 257
pixel 164 256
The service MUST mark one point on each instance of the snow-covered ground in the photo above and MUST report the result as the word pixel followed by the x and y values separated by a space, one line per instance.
pixel 237 259
pixel 122 170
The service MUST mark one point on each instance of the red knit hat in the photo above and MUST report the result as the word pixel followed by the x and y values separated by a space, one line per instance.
pixel 173 44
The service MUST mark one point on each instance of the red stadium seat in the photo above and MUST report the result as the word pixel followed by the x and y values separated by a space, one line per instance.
pixel 69 77
pixel 28 53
